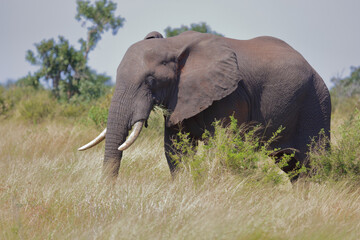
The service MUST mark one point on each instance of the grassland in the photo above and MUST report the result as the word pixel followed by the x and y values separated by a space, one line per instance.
pixel 49 190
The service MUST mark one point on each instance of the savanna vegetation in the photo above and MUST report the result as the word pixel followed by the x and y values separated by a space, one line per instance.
pixel 226 189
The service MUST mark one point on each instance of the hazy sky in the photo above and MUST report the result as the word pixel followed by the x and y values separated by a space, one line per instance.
pixel 325 32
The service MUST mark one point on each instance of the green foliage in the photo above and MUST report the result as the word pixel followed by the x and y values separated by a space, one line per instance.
pixel 10 98
pixel 99 116
pixel 102 18
pixel 343 161
pixel 98 113
pixel 59 62
pixel 3 108
pixel 72 110
pixel 29 81
pixel 65 66
pixel 198 27
pixel 94 87
pixel 348 87
pixel 232 149
pixel 37 108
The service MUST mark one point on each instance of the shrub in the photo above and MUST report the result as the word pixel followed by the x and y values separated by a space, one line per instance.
pixel 343 160
pixel 12 96
pixel 34 105
pixel 94 86
pixel 3 107
pixel 72 110
pixel 98 113
pixel 38 107
pixel 232 149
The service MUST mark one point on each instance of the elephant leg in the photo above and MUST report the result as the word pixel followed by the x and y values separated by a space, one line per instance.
pixel 171 135
pixel 170 150
pixel 315 117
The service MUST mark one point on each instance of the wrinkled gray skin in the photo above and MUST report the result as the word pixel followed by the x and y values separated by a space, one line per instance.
pixel 200 77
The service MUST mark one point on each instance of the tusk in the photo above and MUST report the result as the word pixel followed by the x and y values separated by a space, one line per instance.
pixel 134 134
pixel 94 142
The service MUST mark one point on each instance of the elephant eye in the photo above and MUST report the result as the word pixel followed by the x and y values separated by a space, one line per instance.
pixel 164 63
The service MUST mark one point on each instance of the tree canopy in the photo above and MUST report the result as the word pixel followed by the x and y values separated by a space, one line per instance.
pixel 59 62
pixel 66 66
pixel 198 27
pixel 101 17
pixel 348 86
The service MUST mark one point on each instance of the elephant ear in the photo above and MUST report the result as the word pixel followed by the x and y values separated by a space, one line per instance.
pixel 153 35
pixel 207 71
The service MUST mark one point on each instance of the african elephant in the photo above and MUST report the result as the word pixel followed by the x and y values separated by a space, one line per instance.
pixel 199 78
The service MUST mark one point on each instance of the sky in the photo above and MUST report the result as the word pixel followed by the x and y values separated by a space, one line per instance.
pixel 325 32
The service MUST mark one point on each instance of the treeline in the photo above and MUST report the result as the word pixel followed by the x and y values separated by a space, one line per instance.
pixel 345 93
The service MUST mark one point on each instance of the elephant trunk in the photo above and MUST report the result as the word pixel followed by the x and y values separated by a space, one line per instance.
pixel 117 131
pixel 126 111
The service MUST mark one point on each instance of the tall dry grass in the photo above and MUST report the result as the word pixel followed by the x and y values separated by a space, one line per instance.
pixel 48 190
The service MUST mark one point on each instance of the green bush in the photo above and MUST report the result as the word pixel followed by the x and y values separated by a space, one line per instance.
pixel 11 97
pixel 94 87
pixel 232 149
pixel 343 160
pixel 38 107
pixel 98 113
pixel 72 110
pixel 3 107
pixel 34 105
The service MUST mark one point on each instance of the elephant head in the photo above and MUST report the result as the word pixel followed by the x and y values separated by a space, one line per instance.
pixel 184 74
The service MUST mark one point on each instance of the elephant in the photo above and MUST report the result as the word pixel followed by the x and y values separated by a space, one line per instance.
pixel 199 78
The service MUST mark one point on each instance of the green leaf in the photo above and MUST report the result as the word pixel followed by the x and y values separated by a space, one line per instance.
pixel 198 27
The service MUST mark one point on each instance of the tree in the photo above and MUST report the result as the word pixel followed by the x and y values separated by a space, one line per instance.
pixel 102 18
pixel 348 86
pixel 94 86
pixel 58 61
pixel 29 81
pixel 198 27
pixel 66 66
